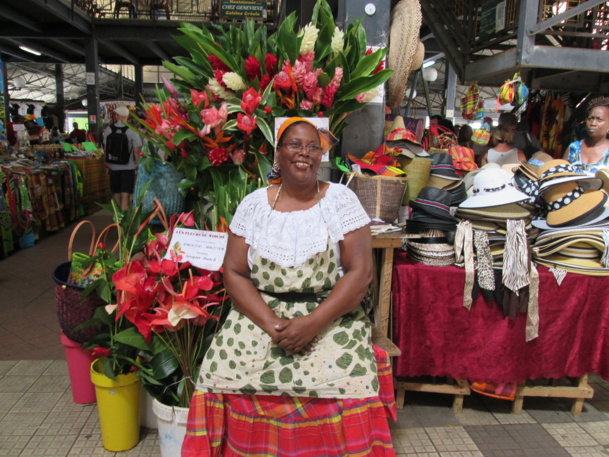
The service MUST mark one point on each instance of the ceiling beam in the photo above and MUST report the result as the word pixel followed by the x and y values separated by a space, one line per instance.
pixel 19 18
pixel 63 12
pixel 68 44
pixel 571 12
pixel 121 51
pixel 46 51
pixel 158 51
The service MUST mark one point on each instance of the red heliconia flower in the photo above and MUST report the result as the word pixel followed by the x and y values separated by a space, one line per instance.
pixel 252 68
pixel 251 100
pixel 264 82
pixel 198 97
pixel 246 123
pixel 217 156
pixel 270 64
pixel 216 63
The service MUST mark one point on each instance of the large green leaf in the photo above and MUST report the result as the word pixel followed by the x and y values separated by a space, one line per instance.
pixel 264 166
pixel 287 41
pixel 362 84
pixel 131 337
pixel 195 68
pixel 266 130
pixel 367 65
pixel 183 135
pixel 163 364
pixel 180 71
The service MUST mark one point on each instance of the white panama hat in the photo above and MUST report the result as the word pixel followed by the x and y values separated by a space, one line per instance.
pixel 492 187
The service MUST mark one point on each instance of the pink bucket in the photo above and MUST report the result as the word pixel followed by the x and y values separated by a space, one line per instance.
pixel 79 366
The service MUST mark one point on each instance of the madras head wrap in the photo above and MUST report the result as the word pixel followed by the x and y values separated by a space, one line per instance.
pixel 327 139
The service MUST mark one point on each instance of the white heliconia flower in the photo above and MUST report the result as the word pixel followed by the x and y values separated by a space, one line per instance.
pixel 215 87
pixel 309 39
pixel 233 81
pixel 337 43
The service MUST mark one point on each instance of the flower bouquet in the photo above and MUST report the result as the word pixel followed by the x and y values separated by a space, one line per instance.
pixel 215 120
pixel 176 308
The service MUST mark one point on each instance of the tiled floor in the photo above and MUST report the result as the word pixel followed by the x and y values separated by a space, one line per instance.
pixel 39 418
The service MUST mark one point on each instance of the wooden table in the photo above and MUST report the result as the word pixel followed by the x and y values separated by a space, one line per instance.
pixel 382 306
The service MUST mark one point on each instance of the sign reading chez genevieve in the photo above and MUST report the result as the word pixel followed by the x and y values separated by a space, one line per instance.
pixel 242 9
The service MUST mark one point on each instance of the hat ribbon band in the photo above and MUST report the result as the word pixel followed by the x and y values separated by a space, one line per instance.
pixel 566 200
pixel 491 189
pixel 562 168
pixel 422 201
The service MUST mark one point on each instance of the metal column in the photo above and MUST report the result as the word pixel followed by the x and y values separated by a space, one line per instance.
pixel 365 128
pixel 92 79
pixel 60 108
pixel 451 93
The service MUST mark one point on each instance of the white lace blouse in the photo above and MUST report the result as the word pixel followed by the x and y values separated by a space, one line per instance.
pixel 291 238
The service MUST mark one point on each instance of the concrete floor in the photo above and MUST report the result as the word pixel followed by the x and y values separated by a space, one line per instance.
pixel 39 418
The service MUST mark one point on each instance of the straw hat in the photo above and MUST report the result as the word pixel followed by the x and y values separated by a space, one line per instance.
pixel 122 111
pixel 589 267
pixel 500 212
pixel 406 19
pixel 603 175
pixel 492 187
pixel 405 139
pixel 569 204
pixel 560 171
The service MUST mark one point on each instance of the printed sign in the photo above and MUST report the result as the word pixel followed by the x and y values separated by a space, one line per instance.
pixel 201 248
pixel 242 9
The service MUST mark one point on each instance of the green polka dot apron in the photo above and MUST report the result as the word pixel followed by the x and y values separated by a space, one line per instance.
pixel 243 359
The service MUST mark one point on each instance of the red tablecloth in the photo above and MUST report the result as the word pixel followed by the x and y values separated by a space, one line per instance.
pixel 439 337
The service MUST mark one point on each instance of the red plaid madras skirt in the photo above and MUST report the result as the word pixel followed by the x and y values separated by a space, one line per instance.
pixel 228 425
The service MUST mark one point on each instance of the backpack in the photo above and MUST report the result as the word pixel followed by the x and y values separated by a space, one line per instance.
pixel 472 105
pixel 439 136
pixel 117 146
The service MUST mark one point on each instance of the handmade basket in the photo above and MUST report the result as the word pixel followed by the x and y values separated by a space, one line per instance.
pixel 71 310
pixel 381 196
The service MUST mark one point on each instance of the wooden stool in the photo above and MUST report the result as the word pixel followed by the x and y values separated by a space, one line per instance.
pixel 579 393
pixel 459 391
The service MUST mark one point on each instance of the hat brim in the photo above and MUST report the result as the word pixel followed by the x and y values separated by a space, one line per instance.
pixel 585 182
pixel 431 210
pixel 503 197
pixel 590 267
pixel 543 223
pixel 588 206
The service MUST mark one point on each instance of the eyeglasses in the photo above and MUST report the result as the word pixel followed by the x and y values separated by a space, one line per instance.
pixel 312 149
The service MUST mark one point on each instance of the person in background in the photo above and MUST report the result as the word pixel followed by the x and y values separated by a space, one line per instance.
pixel 500 151
pixel 293 371
pixel 78 135
pixel 465 136
pixel 592 153
pixel 122 177
pixel 521 140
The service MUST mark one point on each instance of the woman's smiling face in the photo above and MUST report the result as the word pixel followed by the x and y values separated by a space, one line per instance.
pixel 299 153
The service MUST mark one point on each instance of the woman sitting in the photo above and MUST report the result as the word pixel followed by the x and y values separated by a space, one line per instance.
pixel 500 152
pixel 592 153
pixel 293 371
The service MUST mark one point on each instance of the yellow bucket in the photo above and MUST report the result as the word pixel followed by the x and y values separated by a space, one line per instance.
pixel 118 407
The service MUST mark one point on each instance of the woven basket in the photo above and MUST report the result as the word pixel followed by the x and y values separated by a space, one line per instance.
pixel 381 196
pixel 71 311
pixel 417 169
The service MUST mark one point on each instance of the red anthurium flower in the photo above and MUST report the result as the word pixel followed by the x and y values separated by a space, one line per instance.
pixel 268 109
pixel 246 123
pixel 251 101
pixel 252 68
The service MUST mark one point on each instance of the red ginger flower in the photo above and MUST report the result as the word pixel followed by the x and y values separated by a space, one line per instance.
pixel 218 155
pixel 198 97
pixel 218 75
pixel 283 82
pixel 246 123
pixel 264 82
pixel 251 101
pixel 270 64
pixel 217 64
pixel 252 68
